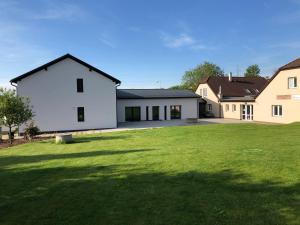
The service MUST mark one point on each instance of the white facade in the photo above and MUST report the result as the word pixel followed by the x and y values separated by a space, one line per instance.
pixel 189 107
pixel 54 97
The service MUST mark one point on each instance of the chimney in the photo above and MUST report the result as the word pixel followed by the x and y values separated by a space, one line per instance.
pixel 230 77
pixel 220 95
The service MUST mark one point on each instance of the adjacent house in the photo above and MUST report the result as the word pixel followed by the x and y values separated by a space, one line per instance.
pixel 156 104
pixel 69 94
pixel 279 101
pixel 231 97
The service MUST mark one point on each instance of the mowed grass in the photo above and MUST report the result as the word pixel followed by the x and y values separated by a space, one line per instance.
pixel 214 174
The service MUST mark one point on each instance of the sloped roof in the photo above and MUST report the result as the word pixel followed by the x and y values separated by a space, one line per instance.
pixel 154 94
pixel 45 66
pixel 238 87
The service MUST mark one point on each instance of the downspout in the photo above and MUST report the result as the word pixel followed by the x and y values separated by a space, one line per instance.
pixel 117 85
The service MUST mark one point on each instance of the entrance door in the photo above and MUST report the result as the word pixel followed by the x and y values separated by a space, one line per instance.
pixel 247 112
pixel 132 113
pixel 155 112
pixel 202 109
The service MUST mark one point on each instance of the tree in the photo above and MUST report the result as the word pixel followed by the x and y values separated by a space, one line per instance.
pixel 14 110
pixel 192 78
pixel 252 71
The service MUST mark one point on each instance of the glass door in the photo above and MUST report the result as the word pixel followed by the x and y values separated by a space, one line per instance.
pixel 247 112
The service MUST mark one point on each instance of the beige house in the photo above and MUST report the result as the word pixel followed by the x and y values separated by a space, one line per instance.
pixel 231 97
pixel 279 102
pixel 275 101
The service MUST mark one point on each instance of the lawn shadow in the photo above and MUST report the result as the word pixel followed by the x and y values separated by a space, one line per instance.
pixel 122 194
pixel 97 138
pixel 13 160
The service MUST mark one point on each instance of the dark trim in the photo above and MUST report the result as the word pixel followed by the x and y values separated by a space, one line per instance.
pixel 45 66
pixel 237 100
pixel 158 98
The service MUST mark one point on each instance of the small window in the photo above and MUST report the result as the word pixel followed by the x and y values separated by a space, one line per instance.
pixel 147 112
pixel 79 85
pixel 80 114
pixel 292 82
pixel 209 107
pixel 205 92
pixel 175 112
pixel 227 107
pixel 233 108
pixel 276 110
pixel 200 92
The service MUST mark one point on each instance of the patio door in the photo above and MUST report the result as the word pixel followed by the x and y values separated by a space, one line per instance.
pixel 155 112
pixel 247 112
pixel 132 114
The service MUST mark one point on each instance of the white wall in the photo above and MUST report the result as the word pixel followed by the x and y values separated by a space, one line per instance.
pixel 53 94
pixel 189 107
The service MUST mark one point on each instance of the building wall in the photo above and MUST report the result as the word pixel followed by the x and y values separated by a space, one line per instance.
pixel 54 97
pixel 277 93
pixel 211 98
pixel 189 107
pixel 231 114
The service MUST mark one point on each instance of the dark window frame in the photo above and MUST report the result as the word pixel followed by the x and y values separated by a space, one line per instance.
pixel 80 85
pixel 175 117
pixel 80 114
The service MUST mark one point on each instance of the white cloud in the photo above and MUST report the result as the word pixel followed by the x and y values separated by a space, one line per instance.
pixel 61 11
pixel 183 40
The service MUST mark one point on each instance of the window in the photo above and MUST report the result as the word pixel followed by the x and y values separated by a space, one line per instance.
pixel 209 107
pixel 292 82
pixel 276 110
pixel 133 113
pixel 205 92
pixel 165 112
pixel 147 112
pixel 233 108
pixel 80 114
pixel 175 112
pixel 200 92
pixel 79 85
pixel 227 107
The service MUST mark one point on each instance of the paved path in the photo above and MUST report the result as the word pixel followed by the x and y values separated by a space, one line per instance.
pixel 155 124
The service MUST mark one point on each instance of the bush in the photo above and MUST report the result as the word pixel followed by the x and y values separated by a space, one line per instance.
pixel 31 131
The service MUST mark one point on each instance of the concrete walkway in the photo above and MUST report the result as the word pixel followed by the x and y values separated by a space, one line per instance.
pixel 155 124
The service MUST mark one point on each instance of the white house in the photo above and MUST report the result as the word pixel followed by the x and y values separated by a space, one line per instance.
pixel 69 94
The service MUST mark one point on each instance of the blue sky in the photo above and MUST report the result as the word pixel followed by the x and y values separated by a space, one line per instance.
pixel 148 44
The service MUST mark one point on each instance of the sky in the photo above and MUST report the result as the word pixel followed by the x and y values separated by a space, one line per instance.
pixel 149 44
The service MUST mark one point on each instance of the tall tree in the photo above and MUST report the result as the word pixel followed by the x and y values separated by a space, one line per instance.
pixel 252 71
pixel 192 78
pixel 14 110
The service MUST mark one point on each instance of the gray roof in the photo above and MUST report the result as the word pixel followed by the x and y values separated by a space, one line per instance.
pixel 154 94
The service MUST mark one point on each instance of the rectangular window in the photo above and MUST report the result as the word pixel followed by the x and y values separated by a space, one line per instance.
pixel 165 112
pixel 80 114
pixel 200 92
pixel 175 111
pixel 292 82
pixel 227 107
pixel 205 92
pixel 233 108
pixel 133 113
pixel 147 113
pixel 79 85
pixel 276 110
pixel 209 107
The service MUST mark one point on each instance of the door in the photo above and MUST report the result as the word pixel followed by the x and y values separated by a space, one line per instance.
pixel 155 112
pixel 247 112
pixel 202 109
pixel 132 114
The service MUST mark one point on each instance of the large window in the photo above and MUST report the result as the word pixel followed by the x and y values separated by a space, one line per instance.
pixel 79 85
pixel 133 113
pixel 292 82
pixel 80 114
pixel 276 110
pixel 175 112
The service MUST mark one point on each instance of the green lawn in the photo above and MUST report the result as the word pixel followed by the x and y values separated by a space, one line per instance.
pixel 215 174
